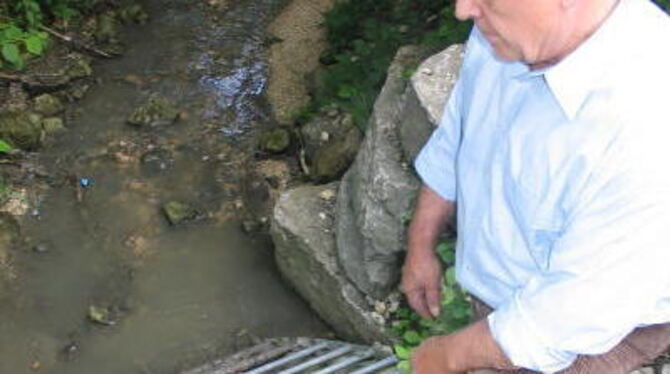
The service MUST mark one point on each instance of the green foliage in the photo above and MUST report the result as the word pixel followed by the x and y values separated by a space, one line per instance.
pixel 665 4
pixel 455 313
pixel 21 36
pixel 5 147
pixel 364 35
pixel 15 43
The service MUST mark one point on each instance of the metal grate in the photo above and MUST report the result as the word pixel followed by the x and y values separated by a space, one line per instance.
pixel 304 356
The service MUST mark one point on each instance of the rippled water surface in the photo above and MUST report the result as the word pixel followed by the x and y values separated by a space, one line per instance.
pixel 177 295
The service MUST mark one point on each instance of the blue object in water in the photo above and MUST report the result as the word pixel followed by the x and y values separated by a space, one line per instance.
pixel 85 182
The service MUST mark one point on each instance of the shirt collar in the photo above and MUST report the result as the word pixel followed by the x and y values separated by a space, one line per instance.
pixel 583 71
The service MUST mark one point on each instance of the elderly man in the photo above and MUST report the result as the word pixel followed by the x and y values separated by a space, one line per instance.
pixel 553 154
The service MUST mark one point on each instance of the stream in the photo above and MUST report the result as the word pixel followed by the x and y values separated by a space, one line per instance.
pixel 171 297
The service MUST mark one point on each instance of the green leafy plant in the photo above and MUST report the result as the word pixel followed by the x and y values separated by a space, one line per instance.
pixel 22 22
pixel 455 312
pixel 5 147
pixel 364 36
pixel 15 43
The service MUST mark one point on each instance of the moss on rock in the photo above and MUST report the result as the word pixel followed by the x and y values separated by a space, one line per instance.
pixel 276 140
pixel 157 111
pixel 48 105
pixel 22 129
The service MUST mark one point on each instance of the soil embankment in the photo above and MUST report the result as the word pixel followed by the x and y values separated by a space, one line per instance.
pixel 301 40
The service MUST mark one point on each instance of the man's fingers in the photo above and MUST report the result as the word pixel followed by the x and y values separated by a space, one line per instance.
pixel 417 301
pixel 433 300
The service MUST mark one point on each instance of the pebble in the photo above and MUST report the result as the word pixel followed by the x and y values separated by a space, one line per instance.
pixel 250 226
pixel 666 369
pixel 327 194
pixel 426 71
pixel 322 215
pixel 40 248
pixel 378 319
pixel 70 350
pixel 380 307
pixel 325 136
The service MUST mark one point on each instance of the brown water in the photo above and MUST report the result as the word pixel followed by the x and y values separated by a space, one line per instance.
pixel 178 295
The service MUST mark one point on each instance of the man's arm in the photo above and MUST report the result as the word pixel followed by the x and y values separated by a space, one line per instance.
pixel 422 273
pixel 470 348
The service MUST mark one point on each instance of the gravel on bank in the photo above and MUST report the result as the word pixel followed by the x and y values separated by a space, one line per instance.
pixel 303 39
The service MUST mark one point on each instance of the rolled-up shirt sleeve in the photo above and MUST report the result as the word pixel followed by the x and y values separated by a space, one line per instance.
pixel 607 272
pixel 436 163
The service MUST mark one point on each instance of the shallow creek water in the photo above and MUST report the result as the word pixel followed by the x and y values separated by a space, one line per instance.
pixel 178 295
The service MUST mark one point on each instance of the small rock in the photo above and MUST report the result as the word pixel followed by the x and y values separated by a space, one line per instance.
pixel 40 248
pixel 22 129
pixel 157 111
pixel 275 140
pixel 327 195
pixel 79 67
pixel 100 315
pixel 53 125
pixel 378 318
pixel 380 307
pixel 35 365
pixel 333 159
pixel 665 369
pixel 322 215
pixel 426 71
pixel 156 160
pixel 107 30
pixel 250 226
pixel 177 212
pixel 325 136
pixel 48 105
pixel 133 13
pixel 71 350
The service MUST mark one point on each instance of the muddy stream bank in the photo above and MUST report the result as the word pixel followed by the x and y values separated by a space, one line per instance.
pixel 103 283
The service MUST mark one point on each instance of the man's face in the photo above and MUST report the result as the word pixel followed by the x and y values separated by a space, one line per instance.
pixel 518 30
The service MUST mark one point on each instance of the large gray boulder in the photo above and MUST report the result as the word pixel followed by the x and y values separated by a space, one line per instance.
pixel 376 196
pixel 303 232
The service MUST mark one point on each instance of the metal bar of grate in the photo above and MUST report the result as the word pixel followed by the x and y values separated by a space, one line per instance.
pixel 308 356
pixel 319 359
pixel 292 357
pixel 346 362
pixel 388 361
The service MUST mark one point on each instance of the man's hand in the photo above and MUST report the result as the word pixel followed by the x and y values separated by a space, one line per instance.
pixel 468 349
pixel 422 273
pixel 421 283
pixel 431 357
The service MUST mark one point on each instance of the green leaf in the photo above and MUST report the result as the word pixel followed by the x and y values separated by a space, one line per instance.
pixel 5 147
pixel 448 295
pixel 402 352
pixel 450 276
pixel 11 53
pixel 404 367
pixel 34 44
pixel 412 337
pixel 13 33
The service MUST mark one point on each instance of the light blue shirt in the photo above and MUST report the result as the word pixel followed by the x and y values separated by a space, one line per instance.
pixel 562 183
